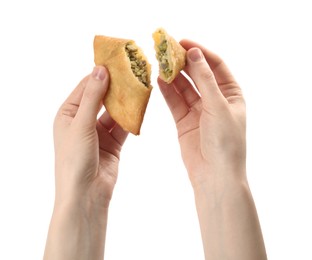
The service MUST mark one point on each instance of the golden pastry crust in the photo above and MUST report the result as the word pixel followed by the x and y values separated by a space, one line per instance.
pixel 127 97
pixel 170 55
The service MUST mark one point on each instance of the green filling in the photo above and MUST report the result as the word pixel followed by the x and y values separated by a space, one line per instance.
pixel 163 59
pixel 138 65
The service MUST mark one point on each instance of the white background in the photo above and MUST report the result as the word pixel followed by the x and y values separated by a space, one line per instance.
pixel 46 49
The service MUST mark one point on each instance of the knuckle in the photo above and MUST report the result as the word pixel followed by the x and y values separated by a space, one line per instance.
pixel 206 75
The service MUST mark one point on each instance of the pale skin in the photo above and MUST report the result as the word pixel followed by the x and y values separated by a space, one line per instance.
pixel 211 127
pixel 87 154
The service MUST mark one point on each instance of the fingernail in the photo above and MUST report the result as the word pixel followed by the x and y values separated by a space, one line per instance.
pixel 99 73
pixel 195 54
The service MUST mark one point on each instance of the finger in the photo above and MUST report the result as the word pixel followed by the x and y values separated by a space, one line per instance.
pixel 106 121
pixel 175 102
pixel 111 142
pixel 186 90
pixel 113 128
pixel 212 59
pixel 203 77
pixel 93 95
pixel 69 108
pixel 119 134
pixel 227 83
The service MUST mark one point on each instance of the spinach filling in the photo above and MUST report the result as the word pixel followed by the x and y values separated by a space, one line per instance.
pixel 162 57
pixel 138 65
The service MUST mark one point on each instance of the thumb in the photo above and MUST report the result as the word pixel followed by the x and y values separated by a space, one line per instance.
pixel 204 79
pixel 93 95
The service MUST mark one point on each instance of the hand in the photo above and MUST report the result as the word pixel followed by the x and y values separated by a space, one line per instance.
pixel 211 123
pixel 211 129
pixel 87 153
pixel 86 148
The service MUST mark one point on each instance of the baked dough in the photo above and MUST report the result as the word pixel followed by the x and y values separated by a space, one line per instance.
pixel 170 55
pixel 129 89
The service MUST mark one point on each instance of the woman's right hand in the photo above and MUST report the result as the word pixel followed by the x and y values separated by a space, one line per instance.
pixel 211 124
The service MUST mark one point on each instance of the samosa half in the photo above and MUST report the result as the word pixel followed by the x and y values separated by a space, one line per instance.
pixel 130 80
pixel 170 55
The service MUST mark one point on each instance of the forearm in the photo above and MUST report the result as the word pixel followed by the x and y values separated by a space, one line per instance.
pixel 76 234
pixel 228 220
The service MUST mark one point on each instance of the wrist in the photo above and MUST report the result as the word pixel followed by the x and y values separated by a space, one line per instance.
pixel 218 186
pixel 76 232
pixel 88 196
pixel 80 207
pixel 228 220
